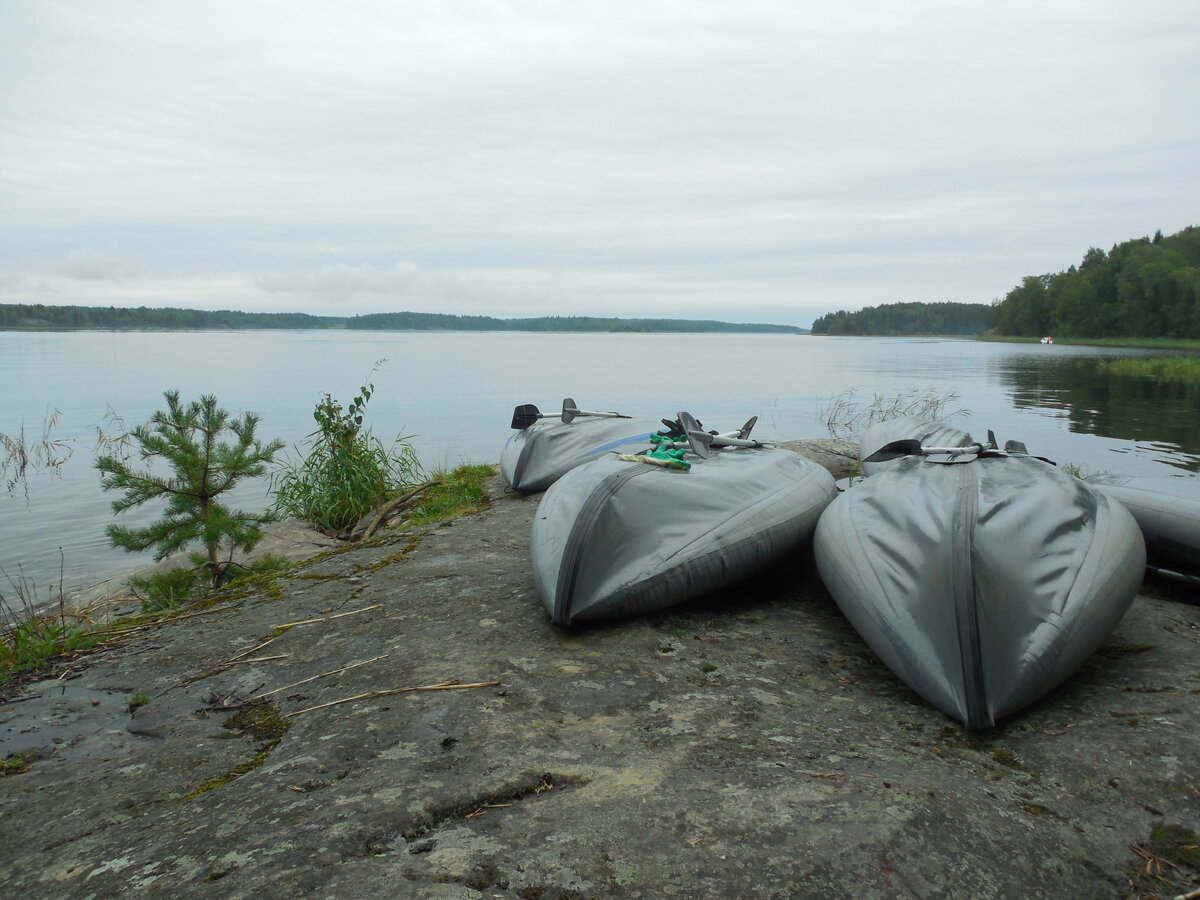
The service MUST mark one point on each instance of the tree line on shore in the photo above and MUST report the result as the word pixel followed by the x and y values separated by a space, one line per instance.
pixel 906 318
pixel 15 316
pixel 1143 288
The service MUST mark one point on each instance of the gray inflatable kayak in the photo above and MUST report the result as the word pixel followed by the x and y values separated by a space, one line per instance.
pixel 928 432
pixel 1166 509
pixel 543 449
pixel 616 538
pixel 981 584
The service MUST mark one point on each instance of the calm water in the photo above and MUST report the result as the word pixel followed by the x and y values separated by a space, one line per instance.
pixel 455 393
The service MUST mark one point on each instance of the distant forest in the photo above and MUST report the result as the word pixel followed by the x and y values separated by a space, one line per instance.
pixel 907 318
pixel 406 321
pixel 1149 287
pixel 30 316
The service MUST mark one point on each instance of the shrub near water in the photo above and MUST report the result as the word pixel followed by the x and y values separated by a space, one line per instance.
pixel 29 639
pixel 187 439
pixel 347 473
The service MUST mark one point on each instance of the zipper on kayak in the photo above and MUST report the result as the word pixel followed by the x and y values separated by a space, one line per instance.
pixel 966 611
pixel 589 512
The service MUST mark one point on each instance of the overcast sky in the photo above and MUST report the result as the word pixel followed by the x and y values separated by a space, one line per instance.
pixel 743 160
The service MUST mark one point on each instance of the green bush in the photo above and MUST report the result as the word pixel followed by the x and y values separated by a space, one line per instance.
pixel 347 472
pixel 165 590
pixel 33 642
pixel 203 467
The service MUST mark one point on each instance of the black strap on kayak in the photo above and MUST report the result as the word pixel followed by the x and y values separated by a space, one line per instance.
pixel 966 612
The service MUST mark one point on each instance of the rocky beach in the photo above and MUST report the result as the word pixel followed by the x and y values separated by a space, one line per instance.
pixel 399 718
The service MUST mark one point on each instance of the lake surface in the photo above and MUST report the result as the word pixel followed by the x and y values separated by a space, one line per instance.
pixel 454 393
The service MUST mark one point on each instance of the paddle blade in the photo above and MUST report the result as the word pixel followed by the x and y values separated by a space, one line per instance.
pixel 895 450
pixel 698 439
pixel 570 411
pixel 524 416
pixel 744 431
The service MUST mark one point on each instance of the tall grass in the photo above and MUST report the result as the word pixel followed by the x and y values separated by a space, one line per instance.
pixel 847 415
pixel 347 472
pixel 1164 368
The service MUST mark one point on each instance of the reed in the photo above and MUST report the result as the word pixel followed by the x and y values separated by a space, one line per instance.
pixel 1163 368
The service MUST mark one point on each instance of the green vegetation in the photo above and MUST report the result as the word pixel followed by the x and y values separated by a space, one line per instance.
pixel 176 586
pixel 348 472
pixel 907 319
pixel 261 722
pixel 28 639
pixel 1144 288
pixel 364 475
pixel 16 763
pixel 37 316
pixel 453 494
pixel 1172 368
pixel 203 468
pixel 137 701
pixel 30 643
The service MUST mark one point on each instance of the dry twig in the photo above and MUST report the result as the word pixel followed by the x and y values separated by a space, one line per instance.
pixel 450 685
pixel 315 677
pixel 251 650
pixel 390 507
pixel 352 612
pixel 164 619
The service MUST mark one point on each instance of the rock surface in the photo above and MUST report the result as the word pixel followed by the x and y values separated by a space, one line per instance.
pixel 749 745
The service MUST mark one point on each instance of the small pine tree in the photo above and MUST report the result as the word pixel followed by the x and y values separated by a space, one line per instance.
pixel 187 438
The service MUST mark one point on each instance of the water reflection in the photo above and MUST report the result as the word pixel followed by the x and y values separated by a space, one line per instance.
pixel 1160 414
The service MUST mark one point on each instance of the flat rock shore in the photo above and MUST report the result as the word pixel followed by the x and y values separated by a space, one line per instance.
pixel 747 745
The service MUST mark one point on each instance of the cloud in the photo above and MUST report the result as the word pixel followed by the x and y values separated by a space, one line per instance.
pixel 343 280
pixel 88 264
pixel 594 158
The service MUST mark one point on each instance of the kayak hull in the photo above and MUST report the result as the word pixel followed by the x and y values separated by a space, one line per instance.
pixel 615 538
pixel 535 457
pixel 982 585
pixel 1166 509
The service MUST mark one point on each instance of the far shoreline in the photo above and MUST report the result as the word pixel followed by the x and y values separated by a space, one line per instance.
pixel 1131 342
